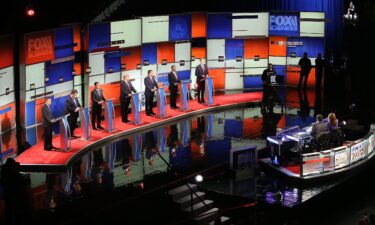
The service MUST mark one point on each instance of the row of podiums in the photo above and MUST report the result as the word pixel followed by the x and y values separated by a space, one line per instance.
pixel 109 112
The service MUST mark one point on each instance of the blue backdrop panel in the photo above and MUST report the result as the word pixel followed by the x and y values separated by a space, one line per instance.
pixel 31 135
pixel 99 36
pixel 112 60
pixel 184 75
pixel 253 81
pixel 57 108
pixel 284 24
pixel 57 70
pixel 182 160
pixel 219 25
pixel 64 42
pixel 234 48
pixel 30 113
pixel 233 128
pixel 218 151
pixel 179 27
pixel 301 121
pixel 310 45
pixel 150 53
pixel 280 70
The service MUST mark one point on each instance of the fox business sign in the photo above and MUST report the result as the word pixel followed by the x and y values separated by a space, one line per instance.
pixel 39 47
pixel 284 24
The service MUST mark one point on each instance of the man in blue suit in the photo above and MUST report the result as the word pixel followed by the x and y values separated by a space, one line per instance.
pixel 201 72
pixel 126 89
pixel 150 87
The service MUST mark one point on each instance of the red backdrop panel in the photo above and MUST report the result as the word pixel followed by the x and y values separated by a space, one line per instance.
pixel 198 25
pixel 277 46
pixel 166 51
pixel 219 78
pixel 256 47
pixel 292 77
pixel 132 57
pixel 6 51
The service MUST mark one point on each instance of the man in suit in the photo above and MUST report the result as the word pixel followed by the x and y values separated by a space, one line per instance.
pixel 126 89
pixel 319 66
pixel 47 121
pixel 173 82
pixel 150 87
pixel 72 107
pixel 319 127
pixel 305 64
pixel 201 72
pixel 97 99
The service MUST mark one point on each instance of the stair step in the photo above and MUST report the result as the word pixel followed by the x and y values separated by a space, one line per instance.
pixel 199 207
pixel 181 191
pixel 207 216
pixel 224 220
pixel 186 201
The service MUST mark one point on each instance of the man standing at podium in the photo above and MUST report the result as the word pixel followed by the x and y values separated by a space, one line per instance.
pixel 151 86
pixel 126 89
pixel 47 121
pixel 97 99
pixel 173 82
pixel 72 107
pixel 201 72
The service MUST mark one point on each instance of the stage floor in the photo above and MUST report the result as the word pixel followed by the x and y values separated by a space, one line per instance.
pixel 36 158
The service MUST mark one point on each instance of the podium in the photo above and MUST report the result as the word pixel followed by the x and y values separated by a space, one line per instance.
pixel 184 95
pixel 161 109
pixel 109 116
pixel 209 90
pixel 136 108
pixel 64 133
pixel 84 116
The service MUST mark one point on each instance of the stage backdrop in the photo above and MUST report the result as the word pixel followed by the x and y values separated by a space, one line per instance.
pixel 236 46
pixel 52 67
pixel 8 142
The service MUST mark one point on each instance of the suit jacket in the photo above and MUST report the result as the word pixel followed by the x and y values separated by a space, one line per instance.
pixel 46 116
pixel 305 64
pixel 172 80
pixel 95 97
pixel 199 73
pixel 317 129
pixel 126 90
pixel 70 106
pixel 149 85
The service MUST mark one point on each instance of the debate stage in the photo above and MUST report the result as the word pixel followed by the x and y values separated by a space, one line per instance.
pixel 37 159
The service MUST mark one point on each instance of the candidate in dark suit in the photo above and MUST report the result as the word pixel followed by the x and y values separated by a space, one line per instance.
pixel 47 121
pixel 201 72
pixel 173 86
pixel 150 87
pixel 126 89
pixel 97 99
pixel 305 64
pixel 72 107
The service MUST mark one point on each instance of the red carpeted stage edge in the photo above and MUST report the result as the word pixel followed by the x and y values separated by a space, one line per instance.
pixel 36 159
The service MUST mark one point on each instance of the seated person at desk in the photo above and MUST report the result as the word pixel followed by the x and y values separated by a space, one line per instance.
pixel 332 122
pixel 319 127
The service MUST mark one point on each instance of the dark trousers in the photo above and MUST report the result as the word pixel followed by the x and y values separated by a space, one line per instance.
pixel 47 137
pixel 318 79
pixel 149 102
pixel 173 96
pixel 96 115
pixel 72 120
pixel 301 76
pixel 201 88
pixel 125 109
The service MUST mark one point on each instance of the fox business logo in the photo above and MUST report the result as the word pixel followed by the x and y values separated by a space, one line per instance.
pixel 39 46
pixel 283 23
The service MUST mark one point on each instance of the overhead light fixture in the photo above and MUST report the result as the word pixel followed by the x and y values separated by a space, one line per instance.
pixel 351 17
pixel 198 178
pixel 30 11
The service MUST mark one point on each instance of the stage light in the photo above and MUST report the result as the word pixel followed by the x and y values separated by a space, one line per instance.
pixel 238 58
pixel 30 11
pixel 198 178
pixel 110 70
pixel 146 62
pixel 7 91
pixel 88 70
pixel 139 66
pixel 164 62
pixel 220 58
pixel 256 57
pixel 123 66
pixel 182 62
pixel 351 17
